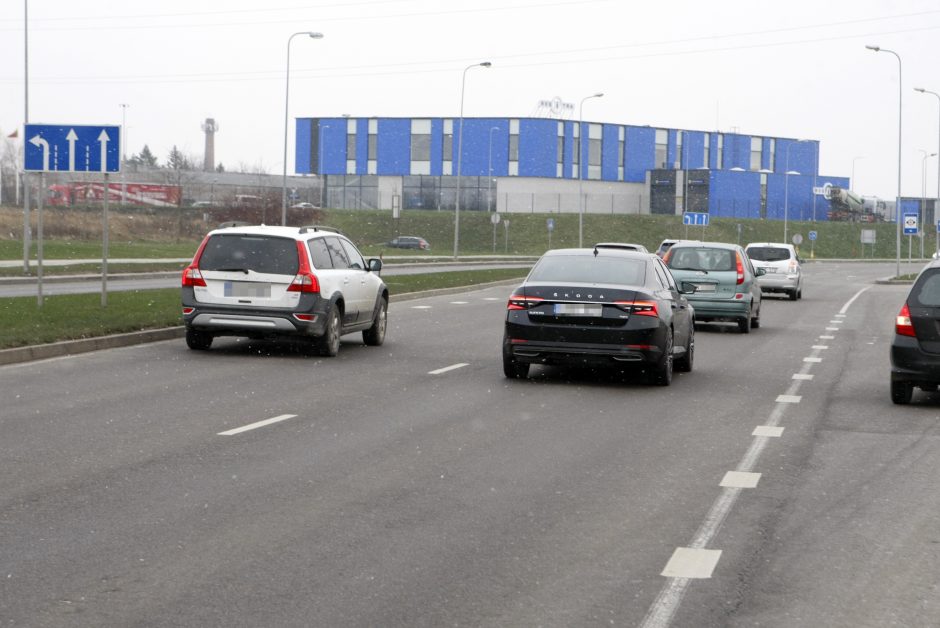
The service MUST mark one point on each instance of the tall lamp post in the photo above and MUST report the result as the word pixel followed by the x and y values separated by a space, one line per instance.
pixel 897 206
pixel 923 196
pixel 936 214
pixel 786 186
pixel 489 171
pixel 124 107
pixel 463 83
pixel 580 165
pixel 311 35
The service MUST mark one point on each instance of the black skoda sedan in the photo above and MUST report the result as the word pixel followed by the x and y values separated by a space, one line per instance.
pixel 599 307
pixel 915 350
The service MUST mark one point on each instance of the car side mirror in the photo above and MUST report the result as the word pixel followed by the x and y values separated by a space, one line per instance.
pixel 799 259
pixel 760 271
pixel 375 265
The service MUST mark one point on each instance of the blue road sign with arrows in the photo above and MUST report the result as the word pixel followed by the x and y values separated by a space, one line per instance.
pixel 695 218
pixel 72 148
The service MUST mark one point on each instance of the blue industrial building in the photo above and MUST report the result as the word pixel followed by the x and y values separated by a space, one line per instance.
pixel 532 164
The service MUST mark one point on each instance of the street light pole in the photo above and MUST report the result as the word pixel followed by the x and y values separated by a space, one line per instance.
pixel 489 171
pixel 124 107
pixel 26 177
pixel 311 35
pixel 786 186
pixel 936 214
pixel 897 206
pixel 463 83
pixel 580 165
pixel 923 196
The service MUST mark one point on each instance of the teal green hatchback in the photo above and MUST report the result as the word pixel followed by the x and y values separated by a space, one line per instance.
pixel 722 280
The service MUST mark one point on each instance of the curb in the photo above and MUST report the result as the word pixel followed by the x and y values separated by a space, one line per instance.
pixel 31 353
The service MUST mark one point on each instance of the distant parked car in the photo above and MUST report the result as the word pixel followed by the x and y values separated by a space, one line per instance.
pixel 665 245
pixel 304 205
pixel 781 265
pixel 409 242
pixel 915 351
pixel 723 280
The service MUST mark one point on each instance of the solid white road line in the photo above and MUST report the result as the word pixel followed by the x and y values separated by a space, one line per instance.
pixel 687 562
pixel 452 367
pixel 788 398
pixel 254 426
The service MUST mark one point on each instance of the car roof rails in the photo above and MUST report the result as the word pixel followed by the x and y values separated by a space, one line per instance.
pixel 233 223
pixel 307 228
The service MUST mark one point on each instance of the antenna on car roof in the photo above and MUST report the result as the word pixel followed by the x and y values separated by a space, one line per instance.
pixel 595 250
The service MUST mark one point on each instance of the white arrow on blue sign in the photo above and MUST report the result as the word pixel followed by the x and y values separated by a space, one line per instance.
pixel 72 148
pixel 695 218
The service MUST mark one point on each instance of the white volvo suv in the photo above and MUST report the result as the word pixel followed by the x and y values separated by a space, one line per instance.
pixel 268 282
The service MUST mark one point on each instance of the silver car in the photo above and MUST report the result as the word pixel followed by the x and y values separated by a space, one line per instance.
pixel 782 268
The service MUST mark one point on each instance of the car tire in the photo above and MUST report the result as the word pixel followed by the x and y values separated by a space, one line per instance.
pixel 375 335
pixel 511 368
pixel 198 340
pixel 799 293
pixel 661 374
pixel 329 342
pixel 684 364
pixel 744 324
pixel 755 321
pixel 901 392
pixel 794 294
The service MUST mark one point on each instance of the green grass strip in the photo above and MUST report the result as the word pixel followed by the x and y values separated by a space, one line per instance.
pixel 76 316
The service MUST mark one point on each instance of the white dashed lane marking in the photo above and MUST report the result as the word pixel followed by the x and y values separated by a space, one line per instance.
pixel 740 479
pixel 803 376
pixel 254 426
pixel 770 431
pixel 688 562
pixel 788 398
pixel 813 360
pixel 452 367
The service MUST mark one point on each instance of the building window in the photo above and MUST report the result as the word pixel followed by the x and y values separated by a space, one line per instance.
pixel 595 133
pixel 447 149
pixel 420 147
pixel 351 147
pixel 773 153
pixel 706 151
pixel 721 149
pixel 576 154
pixel 680 156
pixel 621 137
pixel 560 150
pixel 756 145
pixel 662 140
pixel 513 147
pixel 763 195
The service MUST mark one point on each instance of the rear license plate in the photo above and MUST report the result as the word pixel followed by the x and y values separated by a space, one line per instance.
pixel 770 269
pixel 578 309
pixel 247 289
pixel 704 287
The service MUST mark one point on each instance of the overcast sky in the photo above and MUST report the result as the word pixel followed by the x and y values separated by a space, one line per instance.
pixel 797 69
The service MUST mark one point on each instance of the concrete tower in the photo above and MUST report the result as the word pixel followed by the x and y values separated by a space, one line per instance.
pixel 210 127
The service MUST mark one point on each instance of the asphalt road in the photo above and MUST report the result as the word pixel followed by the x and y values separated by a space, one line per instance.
pixel 412 485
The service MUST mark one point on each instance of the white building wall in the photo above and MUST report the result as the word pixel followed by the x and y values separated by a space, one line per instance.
pixel 538 195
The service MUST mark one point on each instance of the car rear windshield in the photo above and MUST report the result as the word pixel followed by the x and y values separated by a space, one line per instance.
pixel 768 253
pixel 242 252
pixel 926 292
pixel 589 269
pixel 701 259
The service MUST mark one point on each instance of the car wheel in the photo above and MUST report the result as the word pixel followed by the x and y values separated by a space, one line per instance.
pixel 755 322
pixel 684 364
pixel 661 375
pixel 329 343
pixel 198 340
pixel 794 294
pixel 901 392
pixel 513 369
pixel 375 335
pixel 744 324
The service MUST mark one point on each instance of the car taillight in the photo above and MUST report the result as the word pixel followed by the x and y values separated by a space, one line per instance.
pixel 192 278
pixel 740 264
pixel 666 255
pixel 903 325
pixel 792 269
pixel 521 302
pixel 645 308
pixel 304 280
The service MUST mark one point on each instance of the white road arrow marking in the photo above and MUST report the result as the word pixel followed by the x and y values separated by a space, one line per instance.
pixel 38 142
pixel 71 138
pixel 103 139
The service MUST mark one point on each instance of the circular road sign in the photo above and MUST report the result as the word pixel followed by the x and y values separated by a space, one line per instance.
pixel 797 239
pixel 812 236
pixel 495 218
